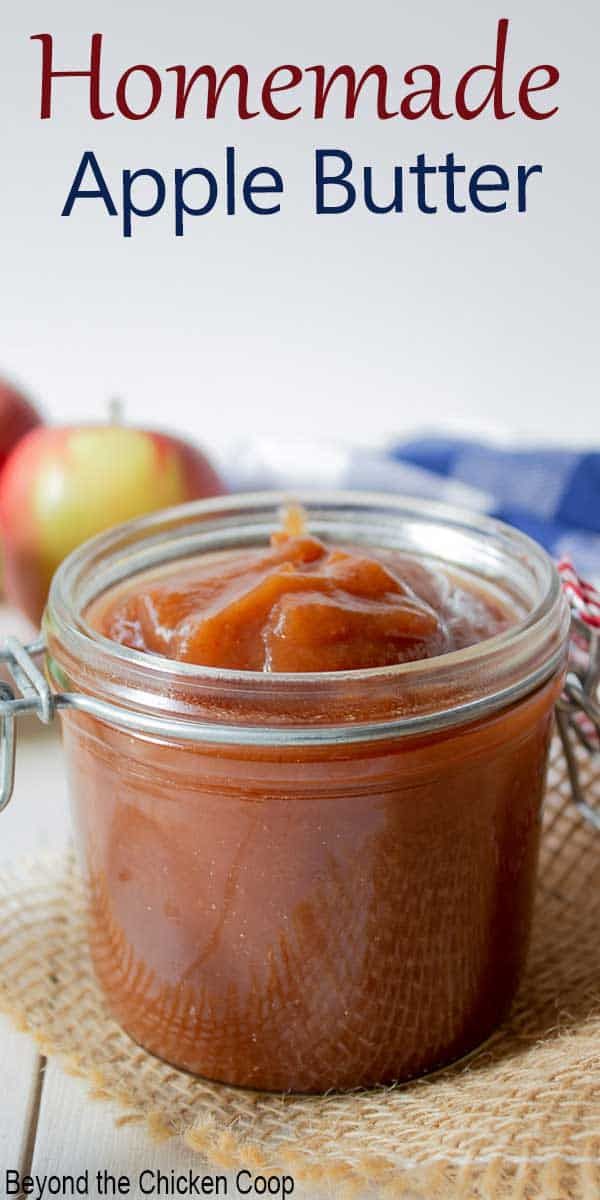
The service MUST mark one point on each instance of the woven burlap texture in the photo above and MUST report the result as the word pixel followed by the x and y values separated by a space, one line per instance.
pixel 520 1118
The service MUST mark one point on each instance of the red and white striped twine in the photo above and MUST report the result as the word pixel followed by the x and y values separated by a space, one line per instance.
pixel 583 597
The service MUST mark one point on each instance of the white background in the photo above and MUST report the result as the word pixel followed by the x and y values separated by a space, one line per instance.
pixel 372 325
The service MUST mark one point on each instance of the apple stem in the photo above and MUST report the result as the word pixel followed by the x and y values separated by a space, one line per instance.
pixel 116 411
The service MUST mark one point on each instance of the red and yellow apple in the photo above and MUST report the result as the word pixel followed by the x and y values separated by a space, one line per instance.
pixel 17 417
pixel 61 486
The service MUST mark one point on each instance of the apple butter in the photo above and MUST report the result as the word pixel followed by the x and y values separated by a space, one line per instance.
pixel 300 606
pixel 316 905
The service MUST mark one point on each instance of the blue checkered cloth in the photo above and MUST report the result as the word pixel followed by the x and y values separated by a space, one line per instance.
pixel 553 495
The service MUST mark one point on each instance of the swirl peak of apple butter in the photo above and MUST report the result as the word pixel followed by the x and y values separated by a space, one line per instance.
pixel 299 605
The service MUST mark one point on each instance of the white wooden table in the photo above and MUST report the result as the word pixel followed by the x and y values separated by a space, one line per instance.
pixel 48 1125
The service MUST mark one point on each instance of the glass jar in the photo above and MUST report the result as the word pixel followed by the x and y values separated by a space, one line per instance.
pixel 310 881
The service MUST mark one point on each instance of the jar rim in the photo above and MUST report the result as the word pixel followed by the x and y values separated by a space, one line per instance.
pixel 65 624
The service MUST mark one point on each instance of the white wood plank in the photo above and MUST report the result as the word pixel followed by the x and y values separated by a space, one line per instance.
pixel 76 1134
pixel 37 817
pixel 19 1078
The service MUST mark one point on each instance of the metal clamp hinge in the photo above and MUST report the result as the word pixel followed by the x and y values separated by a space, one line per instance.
pixel 578 711
pixel 31 693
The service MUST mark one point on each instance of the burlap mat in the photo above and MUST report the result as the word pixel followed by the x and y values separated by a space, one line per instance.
pixel 520 1118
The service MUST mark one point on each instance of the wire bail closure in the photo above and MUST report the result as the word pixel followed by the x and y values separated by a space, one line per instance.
pixel 31 694
pixel 577 711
